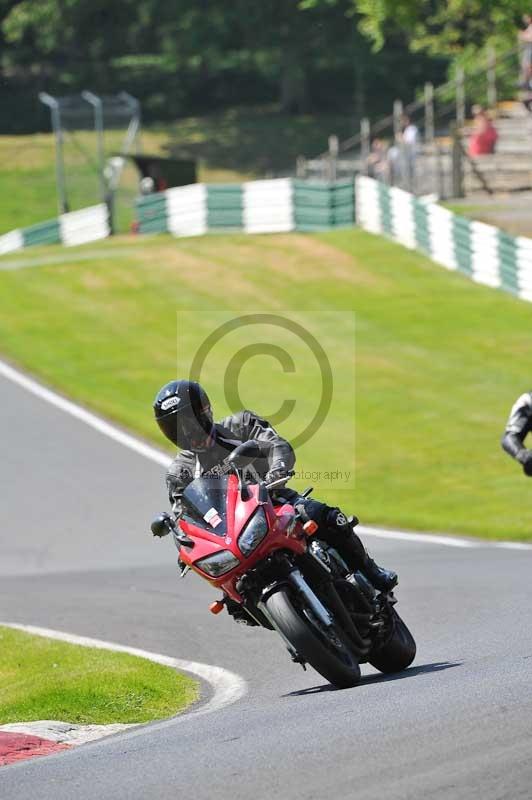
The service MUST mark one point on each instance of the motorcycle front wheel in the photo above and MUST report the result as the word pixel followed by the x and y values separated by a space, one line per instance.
pixel 325 649
pixel 399 650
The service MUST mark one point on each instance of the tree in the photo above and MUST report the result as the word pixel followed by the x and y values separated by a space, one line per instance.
pixel 189 56
pixel 440 27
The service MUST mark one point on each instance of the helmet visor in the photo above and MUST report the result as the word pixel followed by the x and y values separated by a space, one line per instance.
pixel 187 431
pixel 193 434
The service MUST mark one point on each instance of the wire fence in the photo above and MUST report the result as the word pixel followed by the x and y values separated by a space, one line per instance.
pixel 93 137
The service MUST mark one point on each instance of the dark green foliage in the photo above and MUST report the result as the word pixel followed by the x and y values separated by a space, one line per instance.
pixel 196 56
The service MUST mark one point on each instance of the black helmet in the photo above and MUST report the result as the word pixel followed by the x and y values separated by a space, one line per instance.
pixel 183 413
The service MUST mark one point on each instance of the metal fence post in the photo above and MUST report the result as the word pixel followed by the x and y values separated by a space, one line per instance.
pixel 457 164
pixel 398 168
pixel 97 105
pixel 365 143
pixel 132 135
pixel 492 77
pixel 460 97
pixel 440 176
pixel 301 167
pixel 131 139
pixel 429 113
pixel 53 105
pixel 397 116
pixel 334 148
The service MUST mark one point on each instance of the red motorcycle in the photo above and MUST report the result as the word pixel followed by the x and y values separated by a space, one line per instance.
pixel 278 574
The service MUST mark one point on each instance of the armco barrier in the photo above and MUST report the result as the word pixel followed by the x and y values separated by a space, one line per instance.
pixel 76 227
pixel 484 253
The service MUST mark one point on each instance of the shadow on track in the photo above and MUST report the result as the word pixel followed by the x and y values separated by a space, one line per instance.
pixel 411 672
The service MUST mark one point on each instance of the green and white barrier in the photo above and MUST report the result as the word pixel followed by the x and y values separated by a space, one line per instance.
pixel 319 206
pixel 186 210
pixel 482 252
pixel 225 207
pixel 9 242
pixel 86 225
pixel 270 206
pixel 76 227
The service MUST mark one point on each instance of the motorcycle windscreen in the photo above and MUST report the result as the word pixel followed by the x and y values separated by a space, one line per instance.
pixel 205 501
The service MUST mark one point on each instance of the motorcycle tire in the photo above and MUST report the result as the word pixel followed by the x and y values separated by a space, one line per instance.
pixel 399 650
pixel 331 657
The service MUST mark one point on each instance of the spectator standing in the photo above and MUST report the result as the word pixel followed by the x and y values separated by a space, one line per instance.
pixel 525 40
pixel 394 160
pixel 409 141
pixel 526 93
pixel 377 166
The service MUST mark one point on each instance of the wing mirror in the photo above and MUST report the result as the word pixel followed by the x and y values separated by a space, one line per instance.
pixel 164 524
pixel 161 525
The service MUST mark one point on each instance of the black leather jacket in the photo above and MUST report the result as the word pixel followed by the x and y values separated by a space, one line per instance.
pixel 518 426
pixel 228 434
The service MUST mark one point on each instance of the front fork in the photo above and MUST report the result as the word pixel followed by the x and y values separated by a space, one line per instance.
pixel 298 582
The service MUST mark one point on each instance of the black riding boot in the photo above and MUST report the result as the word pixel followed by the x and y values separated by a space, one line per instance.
pixel 354 553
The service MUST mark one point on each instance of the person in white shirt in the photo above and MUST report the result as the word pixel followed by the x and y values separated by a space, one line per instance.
pixel 409 140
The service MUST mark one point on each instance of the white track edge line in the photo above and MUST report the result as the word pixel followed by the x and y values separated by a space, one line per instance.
pixel 407 536
pixel 513 545
pixel 228 687
pixel 435 538
pixel 105 428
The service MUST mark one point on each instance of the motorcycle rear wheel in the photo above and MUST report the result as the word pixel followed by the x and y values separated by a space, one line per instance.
pixel 327 654
pixel 398 652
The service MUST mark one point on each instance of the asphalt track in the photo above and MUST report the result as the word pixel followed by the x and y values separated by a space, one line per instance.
pixel 75 555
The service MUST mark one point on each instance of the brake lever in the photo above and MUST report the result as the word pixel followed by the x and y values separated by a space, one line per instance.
pixel 181 537
pixel 173 527
pixel 280 481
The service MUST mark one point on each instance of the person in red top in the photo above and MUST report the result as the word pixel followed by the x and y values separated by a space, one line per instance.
pixel 484 137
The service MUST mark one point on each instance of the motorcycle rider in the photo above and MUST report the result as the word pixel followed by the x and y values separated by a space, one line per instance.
pixel 518 426
pixel 183 413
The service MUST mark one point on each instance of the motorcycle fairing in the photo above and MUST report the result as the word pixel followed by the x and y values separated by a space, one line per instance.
pixel 235 513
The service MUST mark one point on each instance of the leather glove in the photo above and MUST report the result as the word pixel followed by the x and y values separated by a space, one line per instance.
pixel 524 457
pixel 276 472
pixel 177 507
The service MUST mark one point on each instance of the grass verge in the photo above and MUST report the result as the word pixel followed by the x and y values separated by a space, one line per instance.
pixel 45 679
pixel 439 360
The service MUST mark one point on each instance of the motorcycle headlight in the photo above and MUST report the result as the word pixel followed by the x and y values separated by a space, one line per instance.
pixel 253 533
pixel 218 564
